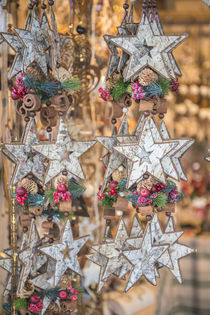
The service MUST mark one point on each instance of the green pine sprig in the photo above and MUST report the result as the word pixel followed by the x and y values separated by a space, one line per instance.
pixel 75 189
pixel 120 89
pixel 160 201
pixel 52 294
pixel 21 304
pixel 165 85
pixel 49 195
pixel 72 85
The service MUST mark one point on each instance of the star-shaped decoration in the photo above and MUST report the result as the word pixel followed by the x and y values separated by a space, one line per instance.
pixel 113 59
pixel 155 150
pixel 207 2
pixel 145 50
pixel 143 260
pixel 100 259
pixel 160 238
pixel 64 253
pixel 30 258
pixel 115 158
pixel 176 251
pixel 63 154
pixel 36 43
pixel 26 159
pixel 18 46
pixel 167 55
pixel 171 163
pixel 6 264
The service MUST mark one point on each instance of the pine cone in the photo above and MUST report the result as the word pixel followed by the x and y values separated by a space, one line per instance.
pixel 65 282
pixel 36 72
pixel 118 175
pixel 28 289
pixel 111 82
pixel 147 183
pixel 147 76
pixel 61 179
pixel 30 186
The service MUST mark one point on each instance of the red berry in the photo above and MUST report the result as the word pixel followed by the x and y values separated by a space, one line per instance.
pixel 62 188
pixel 115 194
pixel 113 191
pixel 63 295
pixel 103 195
pixel 113 184
pixel 144 192
pixel 34 299
pixel 20 191
pixel 110 193
pixel 100 90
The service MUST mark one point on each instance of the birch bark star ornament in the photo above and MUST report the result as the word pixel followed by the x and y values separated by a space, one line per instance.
pixel 65 253
pixel 145 49
pixel 63 155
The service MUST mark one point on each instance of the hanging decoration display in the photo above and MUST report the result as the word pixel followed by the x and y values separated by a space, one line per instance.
pixel 46 185
pixel 141 168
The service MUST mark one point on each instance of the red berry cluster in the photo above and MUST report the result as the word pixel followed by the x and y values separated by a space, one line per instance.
pixel 105 94
pixel 19 91
pixel 111 190
pixel 21 195
pixel 61 194
pixel 69 294
pixel 175 86
pixel 36 304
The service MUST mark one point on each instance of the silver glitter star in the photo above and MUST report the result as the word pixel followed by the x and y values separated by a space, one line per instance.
pixel 63 154
pixel 26 159
pixel 65 252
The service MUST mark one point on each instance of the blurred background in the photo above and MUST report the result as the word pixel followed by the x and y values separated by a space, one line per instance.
pixel 188 116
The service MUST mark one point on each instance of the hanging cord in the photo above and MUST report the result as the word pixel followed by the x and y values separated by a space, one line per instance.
pixel 145 8
pixel 43 6
pixel 154 4
pixel 125 7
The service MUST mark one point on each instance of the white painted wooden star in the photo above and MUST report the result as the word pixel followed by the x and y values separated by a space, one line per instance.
pixel 176 251
pixel 144 259
pixel 27 160
pixel 63 154
pixel 65 253
pixel 36 43
pixel 145 50
pixel 146 155
pixel 30 258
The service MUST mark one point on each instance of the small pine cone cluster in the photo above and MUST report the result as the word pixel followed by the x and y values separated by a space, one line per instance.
pixel 111 82
pixel 119 174
pixel 147 76
pixel 36 72
pixel 30 186
pixel 28 290
pixel 59 180
pixel 65 282
pixel 146 183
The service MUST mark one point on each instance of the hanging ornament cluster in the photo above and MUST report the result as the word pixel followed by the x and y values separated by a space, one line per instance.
pixel 47 183
pixel 44 82
pixel 145 69
pixel 142 168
